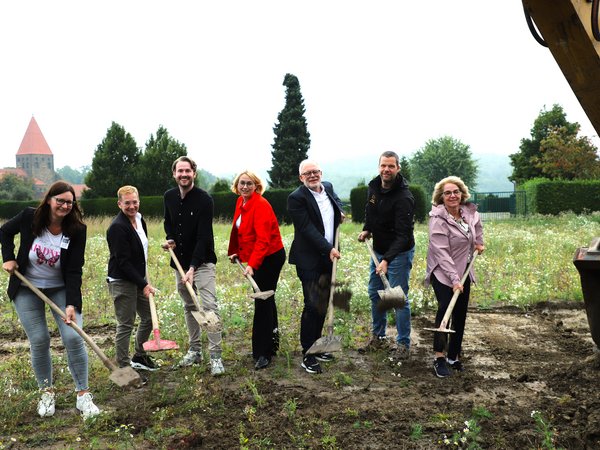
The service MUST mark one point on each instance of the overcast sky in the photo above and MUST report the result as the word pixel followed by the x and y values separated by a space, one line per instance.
pixel 375 76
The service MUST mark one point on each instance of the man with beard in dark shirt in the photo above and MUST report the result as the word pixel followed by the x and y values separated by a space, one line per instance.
pixel 188 226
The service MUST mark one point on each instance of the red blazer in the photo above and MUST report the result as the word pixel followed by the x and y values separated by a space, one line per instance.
pixel 258 235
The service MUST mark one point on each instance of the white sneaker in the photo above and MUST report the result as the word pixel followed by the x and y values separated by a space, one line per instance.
pixel 86 406
pixel 216 366
pixel 190 358
pixel 46 404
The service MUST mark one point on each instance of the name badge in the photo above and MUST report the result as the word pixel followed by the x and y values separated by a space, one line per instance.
pixel 65 241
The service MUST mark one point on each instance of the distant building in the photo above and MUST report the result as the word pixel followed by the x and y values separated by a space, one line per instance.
pixel 35 160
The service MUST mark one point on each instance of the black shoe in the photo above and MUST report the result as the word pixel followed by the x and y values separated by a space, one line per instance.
pixel 143 379
pixel 441 367
pixel 262 363
pixel 311 365
pixel 324 357
pixel 143 362
pixel 457 365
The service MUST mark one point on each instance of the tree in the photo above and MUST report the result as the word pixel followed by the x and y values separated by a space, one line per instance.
pixel 440 158
pixel 14 187
pixel 566 156
pixel 154 175
pixel 74 176
pixel 114 163
pixel 525 162
pixel 292 139
pixel 405 167
pixel 221 185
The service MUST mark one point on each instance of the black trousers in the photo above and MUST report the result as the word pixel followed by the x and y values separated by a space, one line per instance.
pixel 265 332
pixel 443 294
pixel 314 288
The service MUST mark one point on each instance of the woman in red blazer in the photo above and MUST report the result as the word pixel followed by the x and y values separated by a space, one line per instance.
pixel 255 240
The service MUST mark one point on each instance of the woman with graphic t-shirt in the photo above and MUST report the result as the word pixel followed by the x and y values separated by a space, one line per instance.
pixel 51 257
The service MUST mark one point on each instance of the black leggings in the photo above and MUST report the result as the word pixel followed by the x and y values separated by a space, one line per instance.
pixel 443 294
pixel 265 333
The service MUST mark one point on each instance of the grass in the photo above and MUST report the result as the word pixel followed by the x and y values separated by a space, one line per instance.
pixel 526 261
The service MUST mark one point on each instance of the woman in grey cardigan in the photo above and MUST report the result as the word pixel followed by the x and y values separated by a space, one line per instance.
pixel 455 232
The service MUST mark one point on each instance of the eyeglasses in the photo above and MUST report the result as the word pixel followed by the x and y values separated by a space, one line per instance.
pixel 310 173
pixel 246 183
pixel 449 193
pixel 62 202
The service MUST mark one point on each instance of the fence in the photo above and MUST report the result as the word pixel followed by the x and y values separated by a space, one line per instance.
pixel 500 205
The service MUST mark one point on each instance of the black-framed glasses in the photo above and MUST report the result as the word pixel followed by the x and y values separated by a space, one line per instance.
pixel 310 173
pixel 449 193
pixel 61 201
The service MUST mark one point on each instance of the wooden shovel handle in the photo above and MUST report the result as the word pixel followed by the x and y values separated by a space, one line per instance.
pixel 248 276
pixel 107 362
pixel 384 279
pixel 336 245
pixel 457 292
pixel 187 283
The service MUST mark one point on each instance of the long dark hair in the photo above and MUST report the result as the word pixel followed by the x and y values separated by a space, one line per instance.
pixel 41 217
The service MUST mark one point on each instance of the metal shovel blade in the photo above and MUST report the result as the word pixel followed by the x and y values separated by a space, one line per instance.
pixel 206 319
pixel 157 344
pixel 440 330
pixel 262 295
pixel 391 298
pixel 325 344
pixel 125 376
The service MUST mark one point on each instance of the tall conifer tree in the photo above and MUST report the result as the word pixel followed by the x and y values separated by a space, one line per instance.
pixel 292 139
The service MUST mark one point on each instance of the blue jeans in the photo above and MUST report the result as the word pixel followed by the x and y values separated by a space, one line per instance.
pixel 398 274
pixel 32 314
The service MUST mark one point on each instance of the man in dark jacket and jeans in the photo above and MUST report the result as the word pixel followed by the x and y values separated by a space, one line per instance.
pixel 389 219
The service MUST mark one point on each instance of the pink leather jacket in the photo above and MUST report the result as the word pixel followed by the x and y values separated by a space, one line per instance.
pixel 449 245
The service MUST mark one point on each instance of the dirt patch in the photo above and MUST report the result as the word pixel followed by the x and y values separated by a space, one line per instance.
pixel 516 362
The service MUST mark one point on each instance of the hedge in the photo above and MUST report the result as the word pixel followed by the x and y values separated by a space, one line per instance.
pixel 358 200
pixel 555 196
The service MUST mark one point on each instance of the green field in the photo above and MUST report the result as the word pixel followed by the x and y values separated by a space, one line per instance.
pixel 526 261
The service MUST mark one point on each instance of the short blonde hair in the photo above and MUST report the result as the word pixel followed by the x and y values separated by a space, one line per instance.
pixel 255 179
pixel 124 190
pixel 438 192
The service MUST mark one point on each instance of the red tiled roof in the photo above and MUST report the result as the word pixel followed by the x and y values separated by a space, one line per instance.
pixel 33 142
pixel 79 188
pixel 18 172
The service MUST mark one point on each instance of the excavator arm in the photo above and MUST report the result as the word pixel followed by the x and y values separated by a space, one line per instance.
pixel 570 28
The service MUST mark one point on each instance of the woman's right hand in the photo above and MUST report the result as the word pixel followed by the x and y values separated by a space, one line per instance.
pixel 10 266
pixel 457 287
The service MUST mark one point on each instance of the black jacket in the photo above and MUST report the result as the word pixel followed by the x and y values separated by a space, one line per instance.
pixel 127 260
pixel 310 248
pixel 389 216
pixel 71 259
pixel 188 222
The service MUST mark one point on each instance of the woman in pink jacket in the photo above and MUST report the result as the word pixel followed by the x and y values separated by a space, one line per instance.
pixel 255 240
pixel 455 232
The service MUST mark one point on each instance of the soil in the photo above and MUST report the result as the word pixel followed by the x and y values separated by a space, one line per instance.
pixel 516 362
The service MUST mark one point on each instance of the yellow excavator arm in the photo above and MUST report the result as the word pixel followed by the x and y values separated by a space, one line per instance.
pixel 569 28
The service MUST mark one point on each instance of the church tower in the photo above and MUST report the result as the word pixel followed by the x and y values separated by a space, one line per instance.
pixel 34 155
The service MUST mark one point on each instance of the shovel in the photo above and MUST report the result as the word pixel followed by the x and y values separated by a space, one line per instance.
pixel 443 328
pixel 263 295
pixel 157 344
pixel 329 343
pixel 123 376
pixel 390 297
pixel 208 319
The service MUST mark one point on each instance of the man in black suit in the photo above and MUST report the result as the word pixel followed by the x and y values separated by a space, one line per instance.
pixel 127 238
pixel 316 212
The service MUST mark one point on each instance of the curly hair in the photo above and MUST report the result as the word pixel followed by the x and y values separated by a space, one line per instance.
pixel 438 192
